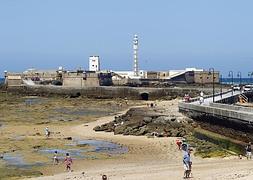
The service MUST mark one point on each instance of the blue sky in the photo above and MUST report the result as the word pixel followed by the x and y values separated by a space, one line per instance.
pixel 45 34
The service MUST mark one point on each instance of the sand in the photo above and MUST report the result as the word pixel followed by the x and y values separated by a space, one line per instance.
pixel 148 158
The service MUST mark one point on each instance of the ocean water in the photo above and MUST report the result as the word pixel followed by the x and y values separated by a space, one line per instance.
pixel 237 80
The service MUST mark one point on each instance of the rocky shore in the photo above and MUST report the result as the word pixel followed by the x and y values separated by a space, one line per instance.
pixel 149 121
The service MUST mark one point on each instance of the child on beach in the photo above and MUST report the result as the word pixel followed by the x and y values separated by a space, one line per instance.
pixel 248 151
pixel 47 132
pixel 68 162
pixel 187 164
pixel 56 160
pixel 179 143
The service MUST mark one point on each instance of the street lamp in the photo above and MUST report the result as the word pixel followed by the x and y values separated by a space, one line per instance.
pixel 221 86
pixel 230 74
pixel 250 74
pixel 202 84
pixel 211 70
pixel 239 74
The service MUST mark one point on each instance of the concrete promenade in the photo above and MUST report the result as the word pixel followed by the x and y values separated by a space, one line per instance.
pixel 217 97
pixel 217 111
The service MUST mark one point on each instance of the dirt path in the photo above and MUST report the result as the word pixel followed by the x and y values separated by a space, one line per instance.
pixel 148 158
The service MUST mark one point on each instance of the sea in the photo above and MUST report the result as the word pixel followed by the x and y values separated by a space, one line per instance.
pixel 237 81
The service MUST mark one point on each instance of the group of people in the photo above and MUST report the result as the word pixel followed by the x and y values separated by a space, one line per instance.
pixel 187 98
pixel 67 160
pixel 181 144
pixel 187 163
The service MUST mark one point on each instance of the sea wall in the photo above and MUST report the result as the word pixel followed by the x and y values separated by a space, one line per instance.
pixel 105 92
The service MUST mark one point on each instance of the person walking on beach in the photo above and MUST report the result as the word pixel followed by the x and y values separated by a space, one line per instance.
pixel 47 132
pixel 179 143
pixel 68 162
pixel 190 162
pixel 201 98
pixel 55 158
pixel 187 164
pixel 248 151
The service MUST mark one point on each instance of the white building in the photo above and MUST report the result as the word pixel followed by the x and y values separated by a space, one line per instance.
pixel 94 63
pixel 130 74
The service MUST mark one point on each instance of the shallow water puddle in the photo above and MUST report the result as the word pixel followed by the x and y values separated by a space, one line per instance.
pixel 17 160
pixel 33 101
pixel 103 146
pixel 75 153
pixel 80 147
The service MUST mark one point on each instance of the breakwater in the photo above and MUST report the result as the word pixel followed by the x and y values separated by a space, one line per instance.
pixel 105 92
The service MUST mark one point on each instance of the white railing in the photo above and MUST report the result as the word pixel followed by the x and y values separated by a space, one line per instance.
pixel 244 98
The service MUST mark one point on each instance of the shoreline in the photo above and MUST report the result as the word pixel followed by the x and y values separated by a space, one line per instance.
pixel 148 158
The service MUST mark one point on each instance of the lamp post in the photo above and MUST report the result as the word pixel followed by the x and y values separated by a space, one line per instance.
pixel 221 86
pixel 230 74
pixel 202 84
pixel 250 74
pixel 211 70
pixel 239 74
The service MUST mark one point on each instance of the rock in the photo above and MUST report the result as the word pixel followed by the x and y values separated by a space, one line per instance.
pixel 127 131
pixel 142 131
pixel 97 128
pixel 36 147
pixel 82 145
pixel 147 119
pixel 173 119
pixel 68 138
pixel 160 119
pixel 119 130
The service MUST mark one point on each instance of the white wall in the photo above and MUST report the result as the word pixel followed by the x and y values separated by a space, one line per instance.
pixel 94 63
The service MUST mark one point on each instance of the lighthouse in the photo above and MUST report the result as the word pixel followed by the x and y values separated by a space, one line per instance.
pixel 135 48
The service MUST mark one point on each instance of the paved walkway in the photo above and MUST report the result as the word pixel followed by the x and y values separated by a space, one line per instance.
pixel 217 97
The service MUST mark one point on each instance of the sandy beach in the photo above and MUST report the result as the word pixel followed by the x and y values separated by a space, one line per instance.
pixel 148 158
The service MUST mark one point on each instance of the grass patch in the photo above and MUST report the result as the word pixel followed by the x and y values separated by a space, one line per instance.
pixel 209 144
pixel 12 173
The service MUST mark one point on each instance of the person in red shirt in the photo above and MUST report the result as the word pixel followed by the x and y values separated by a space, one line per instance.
pixel 68 162
pixel 179 143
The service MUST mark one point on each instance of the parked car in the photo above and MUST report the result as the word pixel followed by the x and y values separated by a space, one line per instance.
pixel 248 87
pixel 236 88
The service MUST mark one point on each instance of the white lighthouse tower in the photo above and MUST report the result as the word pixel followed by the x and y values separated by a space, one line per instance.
pixel 135 47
